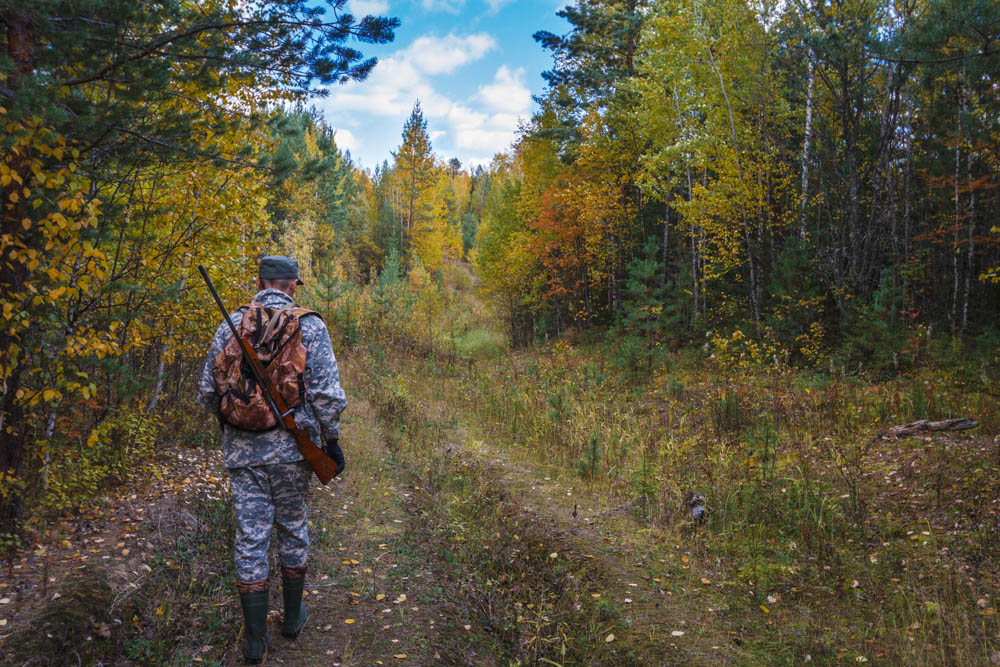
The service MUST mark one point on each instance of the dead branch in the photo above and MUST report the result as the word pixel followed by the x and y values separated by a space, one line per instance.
pixel 926 426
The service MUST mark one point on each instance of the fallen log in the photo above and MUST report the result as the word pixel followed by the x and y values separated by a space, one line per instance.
pixel 926 426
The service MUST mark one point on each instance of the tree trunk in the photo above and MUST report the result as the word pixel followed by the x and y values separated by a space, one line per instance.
pixel 971 242
pixel 739 171
pixel 158 390
pixel 954 253
pixel 806 142
pixel 13 274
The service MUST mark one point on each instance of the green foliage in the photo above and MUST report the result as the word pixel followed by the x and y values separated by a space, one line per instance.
pixel 590 465
pixel 120 450
pixel 762 440
pixel 337 301
pixel 728 413
pixel 480 344
pixel 647 317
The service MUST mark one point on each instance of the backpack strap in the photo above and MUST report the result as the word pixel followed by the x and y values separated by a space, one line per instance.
pixel 302 312
pixel 273 322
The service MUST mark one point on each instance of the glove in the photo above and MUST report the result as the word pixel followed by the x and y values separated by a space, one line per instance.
pixel 332 449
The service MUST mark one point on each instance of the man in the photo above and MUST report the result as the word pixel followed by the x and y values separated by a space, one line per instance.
pixel 269 479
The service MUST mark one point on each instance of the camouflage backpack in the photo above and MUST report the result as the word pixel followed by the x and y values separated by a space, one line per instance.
pixel 276 336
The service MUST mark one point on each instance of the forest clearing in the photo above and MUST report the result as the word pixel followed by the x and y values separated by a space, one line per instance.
pixel 701 367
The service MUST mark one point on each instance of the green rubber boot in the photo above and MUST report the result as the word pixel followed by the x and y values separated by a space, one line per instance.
pixel 295 610
pixel 255 627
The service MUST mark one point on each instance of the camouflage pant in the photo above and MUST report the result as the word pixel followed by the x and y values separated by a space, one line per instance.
pixel 269 495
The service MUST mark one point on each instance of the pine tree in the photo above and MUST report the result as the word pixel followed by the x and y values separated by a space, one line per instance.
pixel 414 168
pixel 645 316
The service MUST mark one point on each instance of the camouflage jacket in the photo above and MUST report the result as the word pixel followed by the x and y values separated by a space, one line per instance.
pixel 319 414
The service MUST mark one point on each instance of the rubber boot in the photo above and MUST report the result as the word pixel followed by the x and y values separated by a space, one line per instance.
pixel 295 609
pixel 255 627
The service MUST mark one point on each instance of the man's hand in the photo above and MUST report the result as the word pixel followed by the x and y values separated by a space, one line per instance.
pixel 332 449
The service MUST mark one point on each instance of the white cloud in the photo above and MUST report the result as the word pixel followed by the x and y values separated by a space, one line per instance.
pixel 478 131
pixel 345 140
pixel 507 92
pixel 481 124
pixel 452 6
pixel 366 7
pixel 443 55
pixel 495 5
pixel 401 78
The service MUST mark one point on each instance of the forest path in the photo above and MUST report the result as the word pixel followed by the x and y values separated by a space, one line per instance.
pixel 438 548
pixel 373 593
pixel 648 587
pixel 398 576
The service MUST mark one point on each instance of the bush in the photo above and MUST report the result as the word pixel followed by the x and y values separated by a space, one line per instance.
pixel 480 343
pixel 118 449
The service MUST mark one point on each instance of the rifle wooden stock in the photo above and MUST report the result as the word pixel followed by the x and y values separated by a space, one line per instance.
pixel 324 467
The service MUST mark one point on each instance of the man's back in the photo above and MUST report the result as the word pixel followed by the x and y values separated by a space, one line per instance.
pixel 323 399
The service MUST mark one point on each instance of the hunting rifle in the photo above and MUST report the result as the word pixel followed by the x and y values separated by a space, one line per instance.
pixel 324 467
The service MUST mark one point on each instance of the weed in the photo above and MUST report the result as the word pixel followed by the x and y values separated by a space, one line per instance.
pixel 590 465
pixel 761 441
pixel 728 413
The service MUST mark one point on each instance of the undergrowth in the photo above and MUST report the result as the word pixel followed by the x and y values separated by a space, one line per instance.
pixel 834 543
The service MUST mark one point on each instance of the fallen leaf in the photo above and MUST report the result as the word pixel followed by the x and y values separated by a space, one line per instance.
pixel 706 581
pixel 609 639
pixel 677 633
pixel 399 656
pixel 380 596
pixel 765 609
pixel 349 621
pixel 595 595
pixel 553 555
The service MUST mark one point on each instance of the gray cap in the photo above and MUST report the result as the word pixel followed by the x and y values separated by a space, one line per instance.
pixel 279 267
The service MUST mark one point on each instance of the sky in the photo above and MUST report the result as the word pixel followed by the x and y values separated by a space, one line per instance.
pixel 472 64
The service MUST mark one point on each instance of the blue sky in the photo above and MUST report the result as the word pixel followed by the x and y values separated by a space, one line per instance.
pixel 472 64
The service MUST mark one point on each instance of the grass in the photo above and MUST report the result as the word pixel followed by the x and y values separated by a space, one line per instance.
pixel 529 504
pixel 823 540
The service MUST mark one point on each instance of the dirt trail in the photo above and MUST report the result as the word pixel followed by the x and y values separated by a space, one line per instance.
pixel 373 595
pixel 388 582
pixel 380 543
pixel 671 609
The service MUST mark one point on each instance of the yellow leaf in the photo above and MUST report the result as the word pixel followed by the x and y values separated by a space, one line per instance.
pixel 399 656
pixel 765 609
pixel 380 596
pixel 349 621
pixel 159 610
